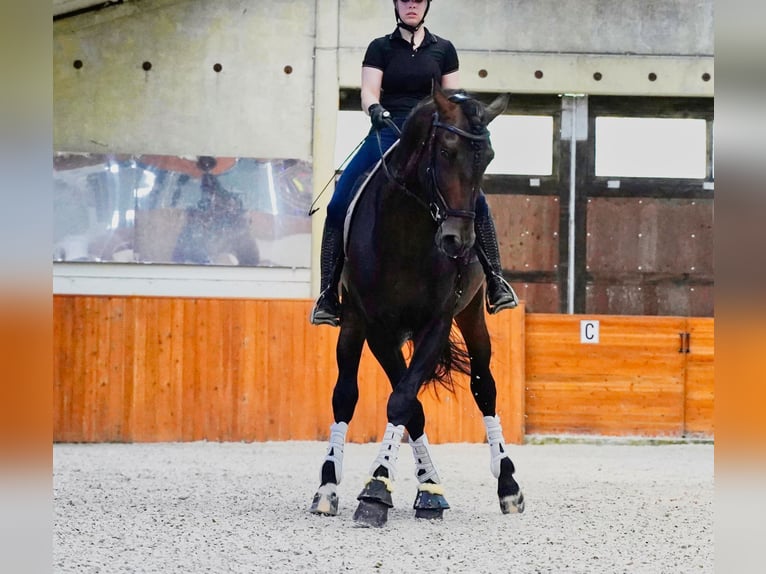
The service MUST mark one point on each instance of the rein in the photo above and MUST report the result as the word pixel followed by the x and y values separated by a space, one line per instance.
pixel 438 207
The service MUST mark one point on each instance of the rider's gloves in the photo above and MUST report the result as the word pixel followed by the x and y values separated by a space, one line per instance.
pixel 379 116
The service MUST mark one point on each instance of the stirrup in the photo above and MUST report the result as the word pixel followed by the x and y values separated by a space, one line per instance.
pixel 502 297
pixel 325 311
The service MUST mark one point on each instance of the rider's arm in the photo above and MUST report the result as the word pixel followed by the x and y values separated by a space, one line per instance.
pixel 372 78
pixel 451 81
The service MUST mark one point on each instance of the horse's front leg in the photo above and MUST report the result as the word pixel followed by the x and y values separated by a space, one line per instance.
pixel 344 399
pixel 472 325
pixel 404 408
pixel 429 501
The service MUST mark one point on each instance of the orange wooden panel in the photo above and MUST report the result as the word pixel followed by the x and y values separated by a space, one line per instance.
pixel 129 375
pixel 140 430
pixel 176 371
pixel 190 372
pixel 234 350
pixel 631 382
pixel 148 369
pixel 262 378
pixel 247 388
pixel 700 386
pixel 162 353
pixel 112 425
pixel 63 368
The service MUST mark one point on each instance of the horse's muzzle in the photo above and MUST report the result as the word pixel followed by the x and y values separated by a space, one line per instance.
pixel 455 243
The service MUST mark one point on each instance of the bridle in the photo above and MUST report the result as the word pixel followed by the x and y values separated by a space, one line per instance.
pixel 437 206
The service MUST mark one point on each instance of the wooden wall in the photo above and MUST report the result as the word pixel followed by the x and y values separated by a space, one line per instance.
pixel 135 369
pixel 636 381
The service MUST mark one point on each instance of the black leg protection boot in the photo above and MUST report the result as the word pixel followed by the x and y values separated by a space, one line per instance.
pixel 500 294
pixel 326 310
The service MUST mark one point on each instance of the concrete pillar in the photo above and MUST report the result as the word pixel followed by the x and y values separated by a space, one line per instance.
pixel 325 119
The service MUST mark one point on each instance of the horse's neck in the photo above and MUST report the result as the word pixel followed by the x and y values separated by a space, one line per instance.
pixel 404 219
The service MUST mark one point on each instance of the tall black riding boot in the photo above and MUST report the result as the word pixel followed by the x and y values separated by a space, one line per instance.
pixel 326 310
pixel 500 294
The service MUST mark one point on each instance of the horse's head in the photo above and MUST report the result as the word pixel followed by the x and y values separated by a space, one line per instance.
pixel 457 152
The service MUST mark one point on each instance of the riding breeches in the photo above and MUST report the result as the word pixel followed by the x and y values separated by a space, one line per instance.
pixel 365 158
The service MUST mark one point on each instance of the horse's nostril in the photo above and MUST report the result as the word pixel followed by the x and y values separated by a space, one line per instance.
pixel 452 245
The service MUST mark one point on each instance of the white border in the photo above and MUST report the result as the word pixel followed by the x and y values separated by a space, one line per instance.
pixel 139 279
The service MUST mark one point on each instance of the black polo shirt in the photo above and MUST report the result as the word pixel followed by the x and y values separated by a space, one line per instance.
pixel 407 73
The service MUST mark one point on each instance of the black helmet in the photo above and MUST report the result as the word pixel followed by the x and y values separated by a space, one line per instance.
pixel 402 24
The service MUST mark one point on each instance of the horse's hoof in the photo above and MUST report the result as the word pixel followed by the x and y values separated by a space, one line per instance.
pixel 430 503
pixel 377 489
pixel 370 513
pixel 325 502
pixel 513 504
pixel 429 513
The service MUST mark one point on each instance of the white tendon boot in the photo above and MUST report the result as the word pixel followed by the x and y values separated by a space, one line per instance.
pixel 424 466
pixel 508 491
pixel 375 498
pixel 326 498
pixel 429 500
pixel 389 451
pixel 335 448
pixel 496 443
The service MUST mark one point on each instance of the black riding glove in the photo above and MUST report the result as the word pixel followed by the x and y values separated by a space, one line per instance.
pixel 379 116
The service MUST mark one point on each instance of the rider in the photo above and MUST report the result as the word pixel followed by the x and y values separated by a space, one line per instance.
pixel 397 73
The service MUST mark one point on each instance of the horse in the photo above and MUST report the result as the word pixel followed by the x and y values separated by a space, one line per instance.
pixel 410 271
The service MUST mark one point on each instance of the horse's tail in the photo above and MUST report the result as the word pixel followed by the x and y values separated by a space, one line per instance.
pixel 454 358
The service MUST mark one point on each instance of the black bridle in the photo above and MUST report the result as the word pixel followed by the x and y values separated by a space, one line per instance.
pixel 437 206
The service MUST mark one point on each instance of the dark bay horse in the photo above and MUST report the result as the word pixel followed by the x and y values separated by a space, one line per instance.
pixel 410 271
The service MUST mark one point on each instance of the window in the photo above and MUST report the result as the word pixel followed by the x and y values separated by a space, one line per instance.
pixel 523 145
pixel 650 147
pixel 168 209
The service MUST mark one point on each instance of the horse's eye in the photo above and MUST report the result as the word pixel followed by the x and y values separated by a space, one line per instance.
pixel 445 153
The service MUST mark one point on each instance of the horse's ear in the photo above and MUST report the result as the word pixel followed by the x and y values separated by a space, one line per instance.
pixel 497 107
pixel 444 106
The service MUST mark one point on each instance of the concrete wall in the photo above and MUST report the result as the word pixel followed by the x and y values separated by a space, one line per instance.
pixel 568 40
pixel 252 107
pixel 181 106
pixel 658 27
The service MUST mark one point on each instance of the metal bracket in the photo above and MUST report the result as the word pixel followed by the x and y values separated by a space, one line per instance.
pixel 684 342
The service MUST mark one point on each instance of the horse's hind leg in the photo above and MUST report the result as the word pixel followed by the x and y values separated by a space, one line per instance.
pixel 472 325
pixel 344 399
pixel 429 501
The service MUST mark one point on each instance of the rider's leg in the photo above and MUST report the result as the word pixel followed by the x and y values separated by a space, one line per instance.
pixel 326 310
pixel 500 294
